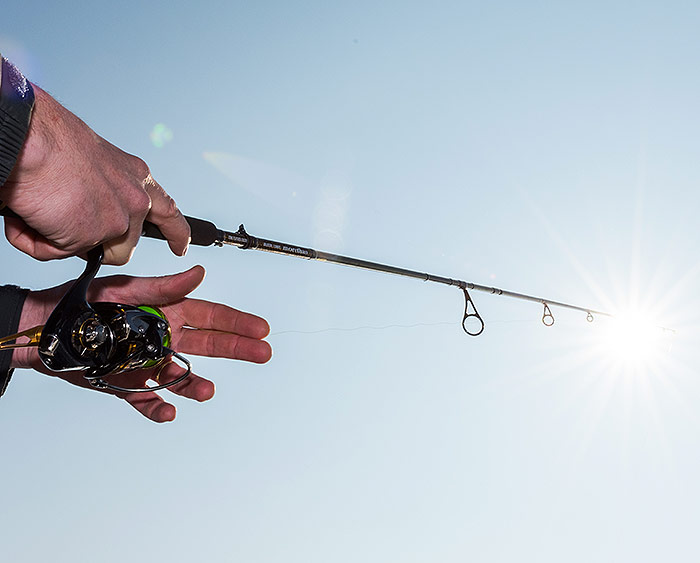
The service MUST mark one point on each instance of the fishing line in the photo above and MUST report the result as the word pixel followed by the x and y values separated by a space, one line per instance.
pixel 357 328
pixel 388 327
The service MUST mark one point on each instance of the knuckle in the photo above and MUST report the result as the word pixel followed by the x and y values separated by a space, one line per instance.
pixel 118 226
pixel 141 202
pixel 170 210
pixel 141 168
pixel 211 345
pixel 137 202
pixel 235 348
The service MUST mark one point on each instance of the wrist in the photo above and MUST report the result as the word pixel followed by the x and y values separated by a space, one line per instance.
pixel 35 311
pixel 16 105
pixel 12 299
pixel 39 143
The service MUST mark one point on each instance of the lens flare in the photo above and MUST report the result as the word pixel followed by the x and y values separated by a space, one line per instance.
pixel 631 340
pixel 161 135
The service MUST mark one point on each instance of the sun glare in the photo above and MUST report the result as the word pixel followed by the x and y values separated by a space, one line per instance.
pixel 631 340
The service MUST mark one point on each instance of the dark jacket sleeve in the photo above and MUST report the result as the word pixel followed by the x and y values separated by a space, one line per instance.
pixel 11 302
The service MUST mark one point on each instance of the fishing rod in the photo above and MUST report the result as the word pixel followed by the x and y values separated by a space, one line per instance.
pixel 206 233
pixel 101 340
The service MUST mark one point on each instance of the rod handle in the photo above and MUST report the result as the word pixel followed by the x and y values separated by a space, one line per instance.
pixel 204 233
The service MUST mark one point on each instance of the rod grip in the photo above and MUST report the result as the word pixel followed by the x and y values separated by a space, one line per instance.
pixel 204 233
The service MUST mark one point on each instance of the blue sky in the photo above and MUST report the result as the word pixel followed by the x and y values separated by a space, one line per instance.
pixel 545 148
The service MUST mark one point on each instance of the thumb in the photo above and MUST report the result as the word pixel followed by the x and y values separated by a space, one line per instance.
pixel 151 290
pixel 26 239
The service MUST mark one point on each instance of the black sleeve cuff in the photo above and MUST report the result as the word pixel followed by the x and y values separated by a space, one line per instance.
pixel 11 303
pixel 16 104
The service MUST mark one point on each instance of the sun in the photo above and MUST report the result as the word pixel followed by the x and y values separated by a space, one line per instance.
pixel 629 340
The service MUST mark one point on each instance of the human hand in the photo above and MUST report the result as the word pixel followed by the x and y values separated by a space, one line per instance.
pixel 198 327
pixel 74 190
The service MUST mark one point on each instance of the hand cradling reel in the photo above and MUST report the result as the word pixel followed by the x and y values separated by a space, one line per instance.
pixel 101 339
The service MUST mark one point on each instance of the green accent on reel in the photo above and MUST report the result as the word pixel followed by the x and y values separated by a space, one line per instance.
pixel 167 337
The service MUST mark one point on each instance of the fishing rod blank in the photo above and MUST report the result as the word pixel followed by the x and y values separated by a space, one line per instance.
pixel 205 233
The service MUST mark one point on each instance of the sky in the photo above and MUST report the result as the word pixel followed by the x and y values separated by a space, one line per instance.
pixel 546 148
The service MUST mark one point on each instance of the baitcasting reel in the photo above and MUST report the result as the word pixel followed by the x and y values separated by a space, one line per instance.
pixel 101 339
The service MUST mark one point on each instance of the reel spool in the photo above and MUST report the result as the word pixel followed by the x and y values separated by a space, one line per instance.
pixel 101 339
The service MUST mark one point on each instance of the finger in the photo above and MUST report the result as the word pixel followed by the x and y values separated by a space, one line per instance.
pixel 119 251
pixel 165 214
pixel 223 345
pixel 216 316
pixel 193 387
pixel 159 290
pixel 151 406
pixel 27 240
